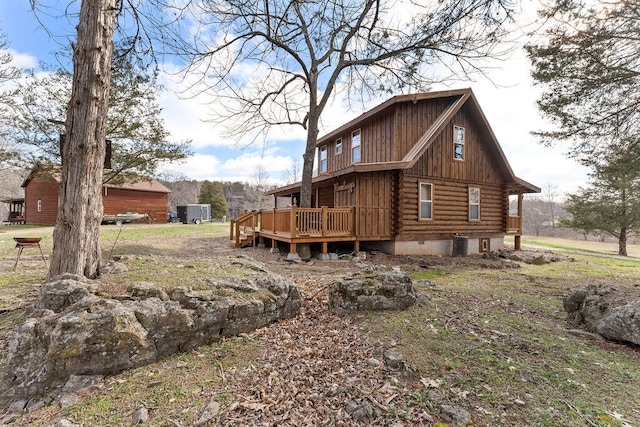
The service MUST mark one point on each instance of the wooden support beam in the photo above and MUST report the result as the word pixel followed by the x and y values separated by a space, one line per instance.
pixel 516 243
pixel 325 248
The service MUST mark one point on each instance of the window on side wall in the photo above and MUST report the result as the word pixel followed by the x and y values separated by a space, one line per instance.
pixel 474 203
pixel 39 205
pixel 355 146
pixel 323 159
pixel 458 142
pixel 426 201
pixel 339 146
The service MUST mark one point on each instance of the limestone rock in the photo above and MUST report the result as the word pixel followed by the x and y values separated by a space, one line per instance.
pixel 602 309
pixel 140 416
pixel 75 332
pixel 208 413
pixel 455 415
pixel 386 290
pixel 622 323
pixel 359 411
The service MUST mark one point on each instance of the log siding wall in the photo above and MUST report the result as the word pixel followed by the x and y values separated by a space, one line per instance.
pixel 450 209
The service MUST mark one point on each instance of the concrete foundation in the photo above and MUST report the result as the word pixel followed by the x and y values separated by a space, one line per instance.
pixel 430 247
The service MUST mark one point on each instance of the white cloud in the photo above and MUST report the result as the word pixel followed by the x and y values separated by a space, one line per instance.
pixel 23 60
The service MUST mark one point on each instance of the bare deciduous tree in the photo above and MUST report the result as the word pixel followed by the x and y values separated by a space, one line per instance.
pixel 550 194
pixel 279 63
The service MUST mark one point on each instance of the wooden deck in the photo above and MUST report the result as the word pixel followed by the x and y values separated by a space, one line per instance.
pixel 295 226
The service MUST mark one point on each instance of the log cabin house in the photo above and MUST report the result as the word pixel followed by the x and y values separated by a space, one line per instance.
pixel 147 196
pixel 410 176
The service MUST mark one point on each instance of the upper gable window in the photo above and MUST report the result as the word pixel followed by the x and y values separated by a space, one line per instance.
pixel 474 203
pixel 323 159
pixel 339 146
pixel 355 146
pixel 458 142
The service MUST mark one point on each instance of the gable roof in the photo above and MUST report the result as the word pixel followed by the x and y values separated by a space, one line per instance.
pixel 143 184
pixel 458 99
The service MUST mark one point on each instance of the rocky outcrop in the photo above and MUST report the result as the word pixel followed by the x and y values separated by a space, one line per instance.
pixel 604 310
pixel 372 290
pixel 73 330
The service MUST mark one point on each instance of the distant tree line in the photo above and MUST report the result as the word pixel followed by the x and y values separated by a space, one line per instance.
pixel 227 198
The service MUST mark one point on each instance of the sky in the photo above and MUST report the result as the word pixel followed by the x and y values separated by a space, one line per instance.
pixel 507 99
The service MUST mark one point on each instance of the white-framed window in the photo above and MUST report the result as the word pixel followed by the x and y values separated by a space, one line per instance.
pixel 355 146
pixel 323 159
pixel 458 142
pixel 39 205
pixel 474 203
pixel 426 201
pixel 339 146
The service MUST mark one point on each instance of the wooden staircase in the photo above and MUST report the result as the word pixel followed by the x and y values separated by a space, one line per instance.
pixel 244 230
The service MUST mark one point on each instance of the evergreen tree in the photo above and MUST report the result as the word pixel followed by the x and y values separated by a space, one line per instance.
pixel 611 203
pixel 211 193
pixel 589 67
pixel 140 141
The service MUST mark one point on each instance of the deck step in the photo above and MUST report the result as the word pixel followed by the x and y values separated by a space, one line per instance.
pixel 245 240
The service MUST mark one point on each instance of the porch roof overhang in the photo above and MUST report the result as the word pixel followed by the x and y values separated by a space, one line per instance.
pixel 18 201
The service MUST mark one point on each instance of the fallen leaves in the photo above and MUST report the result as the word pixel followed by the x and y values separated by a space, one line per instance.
pixel 310 368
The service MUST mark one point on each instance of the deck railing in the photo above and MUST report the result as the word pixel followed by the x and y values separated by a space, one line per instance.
pixel 295 222
pixel 514 224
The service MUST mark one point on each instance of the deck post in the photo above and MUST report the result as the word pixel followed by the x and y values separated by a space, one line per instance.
pixel 274 247
pixel 273 221
pixel 356 246
pixel 324 221
pixel 324 255
pixel 237 234
pixel 232 224
pixel 253 228
pixel 293 254
pixel 520 197
pixel 293 222
pixel 516 242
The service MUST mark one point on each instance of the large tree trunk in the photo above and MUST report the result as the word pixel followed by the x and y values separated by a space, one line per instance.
pixel 76 237
pixel 304 250
pixel 622 242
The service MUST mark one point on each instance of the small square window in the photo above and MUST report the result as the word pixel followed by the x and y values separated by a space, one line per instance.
pixel 338 146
